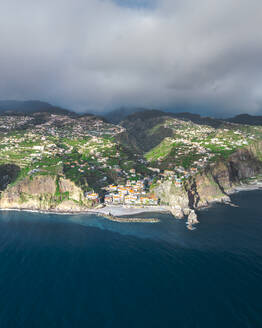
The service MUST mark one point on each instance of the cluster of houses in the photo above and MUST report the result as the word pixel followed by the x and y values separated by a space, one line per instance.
pixel 54 138
pixel 36 143
pixel 12 122
pixel 173 175
pixel 93 196
pixel 132 193
pixel 200 141
pixel 66 126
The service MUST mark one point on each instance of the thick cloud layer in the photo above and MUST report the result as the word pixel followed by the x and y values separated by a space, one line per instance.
pixel 101 54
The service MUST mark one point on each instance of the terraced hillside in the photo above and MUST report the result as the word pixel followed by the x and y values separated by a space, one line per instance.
pixel 169 143
pixel 69 161
pixel 82 148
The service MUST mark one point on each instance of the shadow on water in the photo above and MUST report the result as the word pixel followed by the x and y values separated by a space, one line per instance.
pixel 86 271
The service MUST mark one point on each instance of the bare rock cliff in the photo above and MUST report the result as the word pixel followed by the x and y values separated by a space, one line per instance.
pixel 214 183
pixel 44 192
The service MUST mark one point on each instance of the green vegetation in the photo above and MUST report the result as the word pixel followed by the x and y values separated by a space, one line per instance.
pixel 87 150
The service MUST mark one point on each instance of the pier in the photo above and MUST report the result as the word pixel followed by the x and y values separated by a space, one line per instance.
pixel 130 220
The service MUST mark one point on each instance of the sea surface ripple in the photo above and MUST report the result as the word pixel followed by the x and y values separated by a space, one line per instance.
pixel 85 271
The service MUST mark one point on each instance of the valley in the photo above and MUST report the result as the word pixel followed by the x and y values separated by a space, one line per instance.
pixel 151 158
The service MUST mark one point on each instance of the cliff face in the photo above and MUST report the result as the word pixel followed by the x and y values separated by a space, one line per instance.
pixel 67 186
pixel 44 193
pixel 214 183
pixel 243 164
pixel 176 198
pixel 56 193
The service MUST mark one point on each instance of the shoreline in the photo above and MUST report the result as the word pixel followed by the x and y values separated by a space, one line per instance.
pixel 125 211
pixel 246 187
pixel 116 211
pixel 120 211
pixel 234 190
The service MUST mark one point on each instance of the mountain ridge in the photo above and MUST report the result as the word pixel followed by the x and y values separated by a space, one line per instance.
pixel 117 116
pixel 30 106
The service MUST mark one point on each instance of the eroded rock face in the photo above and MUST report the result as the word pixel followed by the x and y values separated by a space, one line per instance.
pixel 172 195
pixel 41 184
pixel 213 184
pixel 223 175
pixel 244 164
pixel 45 193
pixel 29 193
pixel 177 212
pixel 207 190
pixel 66 185
pixel 192 217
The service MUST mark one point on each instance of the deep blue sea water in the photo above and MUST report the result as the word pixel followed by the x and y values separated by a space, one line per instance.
pixel 85 271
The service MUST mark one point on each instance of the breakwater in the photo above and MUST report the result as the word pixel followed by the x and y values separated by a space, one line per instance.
pixel 130 220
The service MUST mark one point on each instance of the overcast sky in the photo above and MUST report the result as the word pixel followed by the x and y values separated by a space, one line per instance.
pixel 204 55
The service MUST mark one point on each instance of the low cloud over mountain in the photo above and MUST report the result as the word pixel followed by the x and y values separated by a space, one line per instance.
pixel 101 54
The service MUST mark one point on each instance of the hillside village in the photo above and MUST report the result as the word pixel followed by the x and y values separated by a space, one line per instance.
pixel 193 146
pixel 87 150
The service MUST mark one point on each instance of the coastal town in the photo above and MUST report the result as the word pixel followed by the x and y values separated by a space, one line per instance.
pixel 132 193
pixel 89 151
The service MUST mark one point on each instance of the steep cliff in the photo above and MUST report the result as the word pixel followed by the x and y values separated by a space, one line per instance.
pixel 44 192
pixel 176 198
pixel 214 183
pixel 243 164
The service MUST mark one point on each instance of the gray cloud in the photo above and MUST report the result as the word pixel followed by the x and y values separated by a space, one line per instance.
pixel 97 54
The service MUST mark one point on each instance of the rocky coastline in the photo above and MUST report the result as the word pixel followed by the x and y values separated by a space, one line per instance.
pixel 58 195
pixel 124 214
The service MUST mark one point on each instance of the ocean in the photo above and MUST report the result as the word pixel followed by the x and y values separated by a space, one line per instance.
pixel 85 271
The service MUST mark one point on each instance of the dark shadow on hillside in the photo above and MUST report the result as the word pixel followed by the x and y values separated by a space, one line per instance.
pixel 8 174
